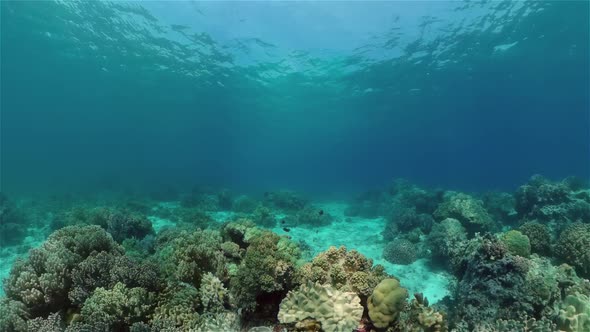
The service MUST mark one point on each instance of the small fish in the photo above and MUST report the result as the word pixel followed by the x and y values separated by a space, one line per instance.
pixel 283 221
pixel 321 212
pixel 286 229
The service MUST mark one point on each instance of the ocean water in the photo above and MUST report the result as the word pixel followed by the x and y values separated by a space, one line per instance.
pixel 318 96
pixel 184 111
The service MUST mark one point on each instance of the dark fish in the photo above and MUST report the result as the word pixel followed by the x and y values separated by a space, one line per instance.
pixel 286 229
pixel 283 221
pixel 321 212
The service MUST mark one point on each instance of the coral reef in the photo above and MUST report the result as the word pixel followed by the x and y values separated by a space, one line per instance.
pixel 404 220
pixel 468 210
pixel 347 271
pixel 337 311
pixel 267 269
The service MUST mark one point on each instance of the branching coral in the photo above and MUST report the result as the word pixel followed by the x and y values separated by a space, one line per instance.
pixel 177 308
pixel 265 269
pixel 42 282
pixel 337 311
pixel 118 307
pixel 13 316
pixel 190 255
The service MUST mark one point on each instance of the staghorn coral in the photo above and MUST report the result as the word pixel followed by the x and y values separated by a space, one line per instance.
pixel 539 237
pixel 225 321
pixel 572 247
pixel 400 252
pixel 42 281
pixel 337 311
pixel 517 243
pixel 386 302
pixel 347 271
pixel 468 210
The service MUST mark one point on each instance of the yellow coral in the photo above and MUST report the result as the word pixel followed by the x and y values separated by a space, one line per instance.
pixel 386 302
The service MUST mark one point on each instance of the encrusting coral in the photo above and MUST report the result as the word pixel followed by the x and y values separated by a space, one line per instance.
pixel 337 311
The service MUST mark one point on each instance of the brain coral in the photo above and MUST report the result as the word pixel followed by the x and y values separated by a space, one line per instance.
pixel 336 310
pixel 386 302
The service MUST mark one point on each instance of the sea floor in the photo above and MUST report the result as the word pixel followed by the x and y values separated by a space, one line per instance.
pixel 363 235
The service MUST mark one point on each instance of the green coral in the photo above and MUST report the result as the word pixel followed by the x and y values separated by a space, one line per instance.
pixel 572 247
pixel 517 243
pixel 539 236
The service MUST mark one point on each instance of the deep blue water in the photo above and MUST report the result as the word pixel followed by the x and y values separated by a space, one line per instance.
pixel 315 96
